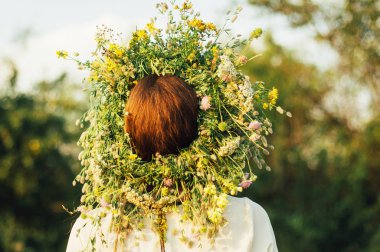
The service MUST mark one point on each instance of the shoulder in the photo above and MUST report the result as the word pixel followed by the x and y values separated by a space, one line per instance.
pixel 86 233
pixel 248 208
pixel 253 217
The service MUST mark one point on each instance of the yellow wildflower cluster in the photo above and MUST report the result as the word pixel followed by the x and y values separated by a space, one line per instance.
pixel 187 6
pixel 221 201
pixel 202 26
pixel 256 33
pixel 210 190
pixel 191 57
pixel 197 24
pixel 116 49
pixel 229 187
pixel 273 95
pixel 215 214
pixel 62 54
pixel 110 64
pixel 140 34
pixel 210 26
pixel 151 28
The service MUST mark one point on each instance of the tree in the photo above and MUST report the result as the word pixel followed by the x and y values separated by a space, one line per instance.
pixel 323 192
pixel 37 165
pixel 352 29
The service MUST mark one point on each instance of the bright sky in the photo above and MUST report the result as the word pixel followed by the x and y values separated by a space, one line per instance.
pixel 70 25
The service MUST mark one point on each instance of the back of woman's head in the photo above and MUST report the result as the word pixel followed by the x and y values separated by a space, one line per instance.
pixel 162 115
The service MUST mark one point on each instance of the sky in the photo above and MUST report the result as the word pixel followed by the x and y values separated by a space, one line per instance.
pixel 32 31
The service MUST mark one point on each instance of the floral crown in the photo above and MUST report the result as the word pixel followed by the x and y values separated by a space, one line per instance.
pixel 232 125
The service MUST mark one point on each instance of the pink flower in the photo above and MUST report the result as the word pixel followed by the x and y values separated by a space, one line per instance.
pixel 254 125
pixel 227 78
pixel 245 184
pixel 168 182
pixel 82 209
pixel 242 59
pixel 103 203
pixel 205 103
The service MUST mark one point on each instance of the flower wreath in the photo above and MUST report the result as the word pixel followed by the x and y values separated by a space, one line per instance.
pixel 232 125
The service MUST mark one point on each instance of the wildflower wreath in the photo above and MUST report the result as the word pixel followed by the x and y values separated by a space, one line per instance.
pixel 232 125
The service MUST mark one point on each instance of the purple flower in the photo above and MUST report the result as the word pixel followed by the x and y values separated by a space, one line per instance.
pixel 245 184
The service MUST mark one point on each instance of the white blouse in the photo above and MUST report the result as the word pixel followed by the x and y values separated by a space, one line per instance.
pixel 248 229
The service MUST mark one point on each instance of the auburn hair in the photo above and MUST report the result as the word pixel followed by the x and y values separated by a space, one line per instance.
pixel 162 115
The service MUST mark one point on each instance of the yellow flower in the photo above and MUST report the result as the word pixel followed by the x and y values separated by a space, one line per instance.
pixel 93 76
pixel 215 50
pixel 215 215
pixel 197 23
pixel 273 95
pixel 116 50
pixel 256 33
pixel 186 6
pixel 62 54
pixel 111 65
pixel 222 201
pixel 132 157
pixel 210 26
pixel 95 64
pixel 265 105
pixel 151 28
pixel 191 57
pixel 164 191
pixel 210 189
pixel 141 34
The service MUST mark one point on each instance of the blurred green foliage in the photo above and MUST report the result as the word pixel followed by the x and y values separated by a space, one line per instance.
pixel 350 27
pixel 323 192
pixel 37 164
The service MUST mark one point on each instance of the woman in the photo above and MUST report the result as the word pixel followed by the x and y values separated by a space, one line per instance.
pixel 162 118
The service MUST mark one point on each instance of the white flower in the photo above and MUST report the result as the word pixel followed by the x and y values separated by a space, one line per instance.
pixel 226 69
pixel 280 110
pixel 103 202
pixel 254 137
pixel 246 88
pixel 229 147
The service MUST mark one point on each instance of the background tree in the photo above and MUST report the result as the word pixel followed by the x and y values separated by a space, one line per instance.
pixel 350 27
pixel 37 165
pixel 323 192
